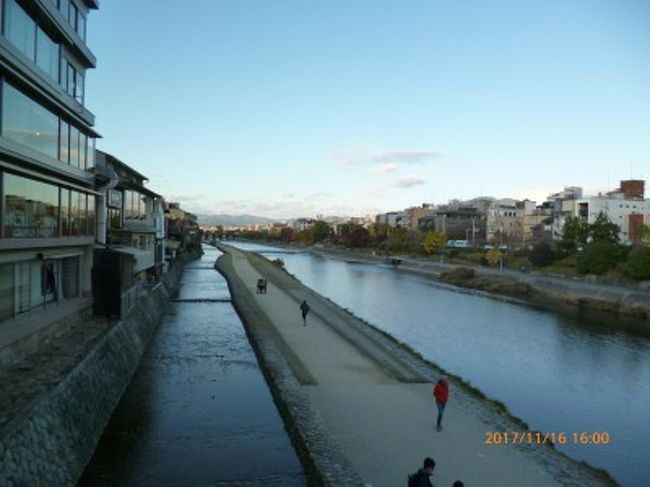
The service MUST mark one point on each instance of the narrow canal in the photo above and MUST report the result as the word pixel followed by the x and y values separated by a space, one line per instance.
pixel 198 411
pixel 557 373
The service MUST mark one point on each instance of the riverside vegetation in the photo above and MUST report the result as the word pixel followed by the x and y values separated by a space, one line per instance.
pixel 584 249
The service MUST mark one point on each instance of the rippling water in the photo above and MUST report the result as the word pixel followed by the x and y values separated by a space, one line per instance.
pixel 558 373
pixel 198 411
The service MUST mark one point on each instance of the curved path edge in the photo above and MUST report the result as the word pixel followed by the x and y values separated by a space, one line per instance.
pixel 318 452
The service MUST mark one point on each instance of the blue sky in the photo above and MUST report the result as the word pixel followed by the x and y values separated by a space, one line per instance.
pixel 290 108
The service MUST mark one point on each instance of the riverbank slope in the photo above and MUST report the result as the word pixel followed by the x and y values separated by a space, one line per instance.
pixel 359 405
pixel 547 290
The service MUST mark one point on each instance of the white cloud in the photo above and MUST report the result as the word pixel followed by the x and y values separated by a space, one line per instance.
pixel 384 168
pixel 374 192
pixel 354 157
pixel 408 181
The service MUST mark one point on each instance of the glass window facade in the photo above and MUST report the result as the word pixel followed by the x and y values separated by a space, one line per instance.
pixel 90 153
pixel 81 26
pixel 134 208
pixel 19 28
pixel 28 123
pixel 74 83
pixel 65 212
pixel 64 141
pixel 64 7
pixel 74 146
pixel 71 74
pixel 90 216
pixel 47 54
pixel 75 226
pixel 31 208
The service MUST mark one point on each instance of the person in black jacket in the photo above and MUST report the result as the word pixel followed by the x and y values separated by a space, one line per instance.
pixel 421 477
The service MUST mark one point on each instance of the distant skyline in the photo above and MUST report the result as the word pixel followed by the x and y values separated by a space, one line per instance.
pixel 290 108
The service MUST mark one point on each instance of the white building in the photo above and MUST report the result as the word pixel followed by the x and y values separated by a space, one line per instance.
pixel 626 213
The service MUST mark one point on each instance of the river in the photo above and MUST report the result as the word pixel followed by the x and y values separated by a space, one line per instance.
pixel 572 374
pixel 198 410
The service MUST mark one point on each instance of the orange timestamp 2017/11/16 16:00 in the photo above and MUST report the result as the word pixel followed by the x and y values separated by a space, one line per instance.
pixel 550 438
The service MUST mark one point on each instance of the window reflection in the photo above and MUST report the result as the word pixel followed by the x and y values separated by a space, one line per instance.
pixel 28 123
pixel 31 208
pixel 74 146
pixel 64 141
pixel 74 214
pixel 19 28
pixel 65 212
pixel 47 54
pixel 134 207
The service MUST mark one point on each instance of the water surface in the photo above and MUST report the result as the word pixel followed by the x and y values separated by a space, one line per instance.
pixel 198 411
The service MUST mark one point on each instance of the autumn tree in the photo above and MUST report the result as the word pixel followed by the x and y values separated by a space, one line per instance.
pixel 319 231
pixel 357 237
pixel 494 257
pixel 434 242
pixel 286 234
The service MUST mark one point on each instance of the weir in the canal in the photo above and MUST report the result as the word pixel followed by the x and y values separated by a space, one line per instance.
pixel 197 411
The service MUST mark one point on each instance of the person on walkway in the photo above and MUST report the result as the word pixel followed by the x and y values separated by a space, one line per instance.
pixel 260 283
pixel 441 394
pixel 458 483
pixel 304 307
pixel 421 477
pixel 265 284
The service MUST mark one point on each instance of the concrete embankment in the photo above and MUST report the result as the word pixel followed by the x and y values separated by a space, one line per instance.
pixel 56 402
pixel 534 287
pixel 358 404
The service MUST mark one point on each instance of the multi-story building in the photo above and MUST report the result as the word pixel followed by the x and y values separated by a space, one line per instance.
pixel 564 206
pixel 183 231
pixel 505 219
pixel 131 216
pixel 414 214
pixel 626 207
pixel 393 219
pixel 47 197
pixel 456 222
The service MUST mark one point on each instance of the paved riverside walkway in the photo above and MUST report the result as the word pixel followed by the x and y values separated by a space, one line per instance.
pixel 383 419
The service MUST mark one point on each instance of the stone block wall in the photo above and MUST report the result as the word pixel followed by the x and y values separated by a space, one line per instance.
pixel 51 441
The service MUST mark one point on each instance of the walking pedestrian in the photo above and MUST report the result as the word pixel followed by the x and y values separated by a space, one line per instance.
pixel 304 307
pixel 421 477
pixel 441 394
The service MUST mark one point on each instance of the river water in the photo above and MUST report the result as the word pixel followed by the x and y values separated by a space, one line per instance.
pixel 558 373
pixel 197 411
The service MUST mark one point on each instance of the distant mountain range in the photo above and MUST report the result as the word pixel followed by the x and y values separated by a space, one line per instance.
pixel 232 220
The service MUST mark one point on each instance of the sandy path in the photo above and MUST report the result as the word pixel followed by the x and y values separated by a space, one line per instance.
pixel 386 427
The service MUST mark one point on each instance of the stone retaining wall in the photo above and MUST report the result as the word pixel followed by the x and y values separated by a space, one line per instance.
pixel 50 441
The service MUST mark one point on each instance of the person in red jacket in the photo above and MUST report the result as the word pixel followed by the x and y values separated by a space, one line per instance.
pixel 441 394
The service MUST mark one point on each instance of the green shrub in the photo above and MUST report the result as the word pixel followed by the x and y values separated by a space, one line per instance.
pixel 638 264
pixel 541 255
pixel 598 258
